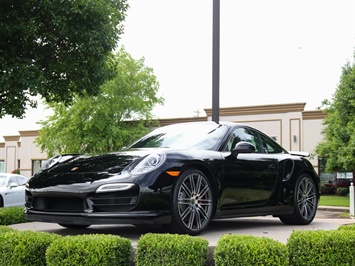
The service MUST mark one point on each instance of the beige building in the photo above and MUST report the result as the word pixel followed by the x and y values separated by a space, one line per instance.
pixel 289 124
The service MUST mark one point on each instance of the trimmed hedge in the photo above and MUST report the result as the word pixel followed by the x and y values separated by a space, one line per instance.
pixel 24 247
pixel 12 215
pixel 171 249
pixel 249 250
pixel 304 247
pixel 342 191
pixel 94 249
pixel 321 247
pixel 350 227
pixel 8 242
pixel 5 229
pixel 328 189
pixel 31 248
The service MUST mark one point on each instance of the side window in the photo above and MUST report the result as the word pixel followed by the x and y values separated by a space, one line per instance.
pixel 270 146
pixel 12 180
pixel 243 134
pixel 21 180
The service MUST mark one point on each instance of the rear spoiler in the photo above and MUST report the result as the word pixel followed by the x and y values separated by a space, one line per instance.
pixel 299 153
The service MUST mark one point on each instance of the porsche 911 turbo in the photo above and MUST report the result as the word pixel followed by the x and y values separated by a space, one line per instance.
pixel 181 176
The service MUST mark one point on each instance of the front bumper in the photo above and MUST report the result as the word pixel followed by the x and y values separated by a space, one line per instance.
pixel 142 217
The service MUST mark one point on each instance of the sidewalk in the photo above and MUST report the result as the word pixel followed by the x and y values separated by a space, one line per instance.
pixel 333 212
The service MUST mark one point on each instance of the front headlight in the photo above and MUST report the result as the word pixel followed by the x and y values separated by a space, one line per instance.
pixel 114 187
pixel 148 163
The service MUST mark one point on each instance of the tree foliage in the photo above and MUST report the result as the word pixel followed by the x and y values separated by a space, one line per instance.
pixel 55 49
pixel 338 145
pixel 108 121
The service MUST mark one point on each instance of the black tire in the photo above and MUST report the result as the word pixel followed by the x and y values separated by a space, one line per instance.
pixel 305 202
pixel 1 202
pixel 75 226
pixel 192 203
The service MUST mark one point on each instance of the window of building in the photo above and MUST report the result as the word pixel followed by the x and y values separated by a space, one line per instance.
pixel 36 165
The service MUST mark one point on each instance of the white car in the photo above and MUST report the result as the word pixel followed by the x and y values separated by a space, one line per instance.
pixel 12 190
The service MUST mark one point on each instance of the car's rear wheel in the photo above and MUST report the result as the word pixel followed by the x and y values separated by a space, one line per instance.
pixel 192 203
pixel 75 226
pixel 1 202
pixel 305 202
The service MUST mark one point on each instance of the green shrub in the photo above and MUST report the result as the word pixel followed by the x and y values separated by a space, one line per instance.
pixel 350 227
pixel 249 250
pixel 171 249
pixel 24 247
pixel 327 189
pixel 31 248
pixel 95 249
pixel 5 229
pixel 8 242
pixel 320 247
pixel 342 191
pixel 12 215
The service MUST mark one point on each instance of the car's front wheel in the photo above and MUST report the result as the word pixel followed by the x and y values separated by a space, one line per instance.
pixel 192 203
pixel 305 202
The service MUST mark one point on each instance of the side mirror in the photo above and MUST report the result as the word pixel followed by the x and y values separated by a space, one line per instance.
pixel 12 185
pixel 243 147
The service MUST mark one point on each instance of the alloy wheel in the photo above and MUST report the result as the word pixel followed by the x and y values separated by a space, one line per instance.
pixel 306 198
pixel 194 201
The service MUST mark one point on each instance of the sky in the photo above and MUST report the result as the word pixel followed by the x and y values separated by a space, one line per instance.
pixel 271 52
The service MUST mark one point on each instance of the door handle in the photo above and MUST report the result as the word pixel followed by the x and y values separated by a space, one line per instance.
pixel 271 167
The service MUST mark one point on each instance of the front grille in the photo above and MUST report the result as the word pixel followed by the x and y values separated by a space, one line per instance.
pixel 58 204
pixel 115 201
pixel 97 202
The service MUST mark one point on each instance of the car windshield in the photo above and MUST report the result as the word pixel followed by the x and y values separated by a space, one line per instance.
pixel 2 180
pixel 201 136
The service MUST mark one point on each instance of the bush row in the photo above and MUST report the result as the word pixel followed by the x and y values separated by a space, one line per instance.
pixel 329 189
pixel 317 247
pixel 12 215
pixel 40 248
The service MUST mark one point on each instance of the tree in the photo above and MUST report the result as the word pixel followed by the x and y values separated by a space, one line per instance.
pixel 55 49
pixel 338 146
pixel 108 121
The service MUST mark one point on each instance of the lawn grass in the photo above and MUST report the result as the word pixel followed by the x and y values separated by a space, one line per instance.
pixel 333 200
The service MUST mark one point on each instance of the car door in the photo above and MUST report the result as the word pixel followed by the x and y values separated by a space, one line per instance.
pixel 249 178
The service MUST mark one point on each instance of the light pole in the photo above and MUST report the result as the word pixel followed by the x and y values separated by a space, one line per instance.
pixel 215 61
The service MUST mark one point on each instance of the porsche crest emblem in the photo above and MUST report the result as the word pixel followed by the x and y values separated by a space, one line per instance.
pixel 74 169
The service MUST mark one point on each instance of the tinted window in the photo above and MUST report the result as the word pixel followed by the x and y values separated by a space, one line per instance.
pixel 244 134
pixel 270 146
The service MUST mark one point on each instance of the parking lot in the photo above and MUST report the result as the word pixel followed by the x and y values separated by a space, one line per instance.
pixel 257 226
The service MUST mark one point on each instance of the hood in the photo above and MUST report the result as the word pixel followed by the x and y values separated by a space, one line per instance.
pixel 113 163
pixel 84 168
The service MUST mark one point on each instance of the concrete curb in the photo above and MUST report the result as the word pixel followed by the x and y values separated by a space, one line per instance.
pixel 333 208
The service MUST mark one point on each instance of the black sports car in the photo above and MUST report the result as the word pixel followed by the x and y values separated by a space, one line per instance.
pixel 181 175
